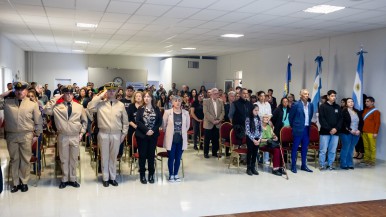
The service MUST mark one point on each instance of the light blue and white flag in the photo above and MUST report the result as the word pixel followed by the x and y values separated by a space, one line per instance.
pixel 315 98
pixel 357 93
pixel 287 80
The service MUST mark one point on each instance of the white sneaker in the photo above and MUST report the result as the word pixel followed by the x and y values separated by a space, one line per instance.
pixel 177 179
pixel 267 163
pixel 171 179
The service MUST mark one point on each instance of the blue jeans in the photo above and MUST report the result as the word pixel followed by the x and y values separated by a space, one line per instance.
pixel 174 160
pixel 348 144
pixel 330 143
pixel 304 139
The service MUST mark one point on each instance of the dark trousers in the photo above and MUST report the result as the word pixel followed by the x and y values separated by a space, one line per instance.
pixel 304 139
pixel 196 130
pixel 360 147
pixel 251 153
pixel 211 135
pixel 146 150
pixel 174 160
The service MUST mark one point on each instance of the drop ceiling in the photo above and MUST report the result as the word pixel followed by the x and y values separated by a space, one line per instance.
pixel 163 27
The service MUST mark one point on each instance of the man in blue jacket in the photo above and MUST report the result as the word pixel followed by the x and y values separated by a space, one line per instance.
pixel 300 120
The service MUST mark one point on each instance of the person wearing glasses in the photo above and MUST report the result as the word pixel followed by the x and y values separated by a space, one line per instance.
pixel 176 122
pixel 113 125
pixel 71 123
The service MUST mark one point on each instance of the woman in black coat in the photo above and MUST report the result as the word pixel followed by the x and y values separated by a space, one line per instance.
pixel 148 120
pixel 277 117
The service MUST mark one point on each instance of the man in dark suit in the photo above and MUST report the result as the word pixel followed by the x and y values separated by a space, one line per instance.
pixel 213 115
pixel 300 120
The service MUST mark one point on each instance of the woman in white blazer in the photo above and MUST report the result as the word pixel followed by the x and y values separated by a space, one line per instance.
pixel 176 122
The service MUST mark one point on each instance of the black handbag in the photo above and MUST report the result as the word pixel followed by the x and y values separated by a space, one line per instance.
pixel 272 144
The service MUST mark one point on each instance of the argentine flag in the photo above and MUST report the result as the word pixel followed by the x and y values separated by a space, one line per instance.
pixel 357 93
pixel 315 98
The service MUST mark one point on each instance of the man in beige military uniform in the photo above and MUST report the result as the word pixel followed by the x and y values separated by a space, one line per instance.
pixel 23 125
pixel 71 123
pixel 113 126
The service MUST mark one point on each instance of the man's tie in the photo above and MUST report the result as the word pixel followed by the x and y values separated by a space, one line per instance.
pixel 69 109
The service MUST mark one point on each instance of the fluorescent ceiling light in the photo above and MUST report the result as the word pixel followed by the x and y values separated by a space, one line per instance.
pixel 188 48
pixel 323 9
pixel 82 42
pixel 78 51
pixel 86 25
pixel 232 35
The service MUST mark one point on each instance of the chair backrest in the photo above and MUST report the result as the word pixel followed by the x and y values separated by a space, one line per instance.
pixel 134 143
pixel 160 140
pixel 225 130
pixel 286 135
pixel 233 139
pixel 314 134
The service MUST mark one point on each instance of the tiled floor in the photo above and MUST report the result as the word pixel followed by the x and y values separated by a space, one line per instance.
pixel 209 188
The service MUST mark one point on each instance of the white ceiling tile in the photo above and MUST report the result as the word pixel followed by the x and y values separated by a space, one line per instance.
pixel 154 28
pixel 35 19
pixel 371 5
pixel 152 10
pixel 59 3
pixel 122 7
pixel 190 23
pixel 282 21
pixel 339 14
pixel 88 16
pixel 197 31
pixel 289 8
pixel 234 17
pixel 261 6
pixel 239 27
pixel 207 14
pixel 110 25
pixel 163 2
pixel 348 3
pixel 362 17
pixel 260 18
pixel 28 2
pixel 105 30
pixel 196 3
pixel 213 24
pixel 142 19
pixel 166 21
pixel 92 5
pixel 61 21
pixel 227 5
pixel 30 10
pixel 115 17
pixel 180 12
pixel 59 12
pixel 132 26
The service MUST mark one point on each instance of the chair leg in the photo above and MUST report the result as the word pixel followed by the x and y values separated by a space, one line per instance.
pixel 183 173
pixel 9 172
pixel 162 168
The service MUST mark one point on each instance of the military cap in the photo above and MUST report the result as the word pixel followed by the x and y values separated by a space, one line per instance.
pixel 68 89
pixel 111 86
pixel 20 85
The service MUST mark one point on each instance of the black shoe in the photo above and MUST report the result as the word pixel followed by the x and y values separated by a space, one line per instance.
pixel 351 168
pixel 344 168
pixel 15 188
pixel 105 184
pixel 195 148
pixel 75 184
pixel 294 170
pixel 282 171
pixel 305 168
pixel 151 179
pixel 206 156
pixel 276 172
pixel 62 185
pixel 113 182
pixel 249 172
pixel 254 171
pixel 228 154
pixel 24 188
pixel 143 180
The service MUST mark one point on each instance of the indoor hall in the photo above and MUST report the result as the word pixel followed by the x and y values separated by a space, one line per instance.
pixel 185 42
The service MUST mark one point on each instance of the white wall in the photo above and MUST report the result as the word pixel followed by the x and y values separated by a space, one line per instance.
pixel 265 68
pixel 12 57
pixel 166 66
pixel 46 67
pixel 194 78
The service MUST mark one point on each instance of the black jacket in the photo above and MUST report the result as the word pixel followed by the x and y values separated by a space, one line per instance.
pixel 347 121
pixel 141 130
pixel 277 119
pixel 242 110
pixel 330 116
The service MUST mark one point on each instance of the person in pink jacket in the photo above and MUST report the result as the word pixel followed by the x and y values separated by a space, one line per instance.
pixel 176 122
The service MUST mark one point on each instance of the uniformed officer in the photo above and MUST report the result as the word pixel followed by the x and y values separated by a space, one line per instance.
pixel 71 123
pixel 23 125
pixel 113 126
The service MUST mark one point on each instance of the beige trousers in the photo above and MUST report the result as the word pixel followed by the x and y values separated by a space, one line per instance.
pixel 20 151
pixel 68 152
pixel 109 147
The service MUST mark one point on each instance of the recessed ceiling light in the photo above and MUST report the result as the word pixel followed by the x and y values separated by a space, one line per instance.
pixel 86 25
pixel 232 35
pixel 78 51
pixel 323 9
pixel 188 48
pixel 82 42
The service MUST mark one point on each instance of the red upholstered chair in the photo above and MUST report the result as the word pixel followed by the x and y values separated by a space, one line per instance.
pixel 286 140
pixel 225 130
pixel 134 156
pixel 201 136
pixel 314 141
pixel 191 130
pixel 236 151
pixel 163 153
